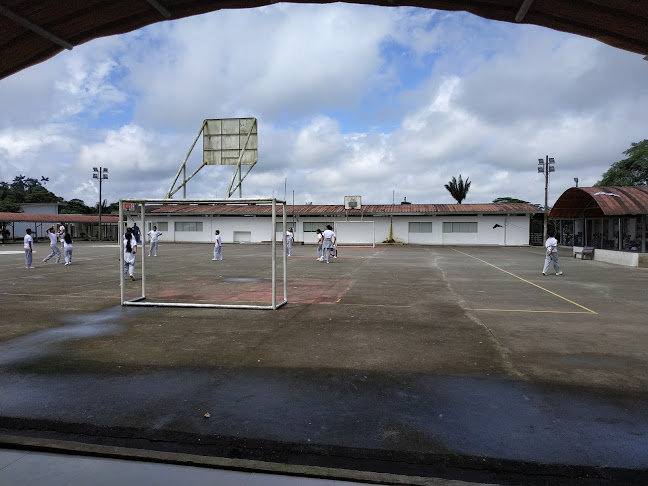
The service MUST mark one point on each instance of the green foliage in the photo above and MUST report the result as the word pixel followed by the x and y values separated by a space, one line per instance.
pixel 9 206
pixel 510 200
pixel 632 171
pixel 458 189
pixel 75 206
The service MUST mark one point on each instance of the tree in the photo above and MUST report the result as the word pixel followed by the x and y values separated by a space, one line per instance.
pixel 510 200
pixel 75 206
pixel 458 189
pixel 632 171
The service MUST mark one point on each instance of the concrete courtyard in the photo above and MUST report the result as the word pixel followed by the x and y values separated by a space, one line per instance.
pixel 461 363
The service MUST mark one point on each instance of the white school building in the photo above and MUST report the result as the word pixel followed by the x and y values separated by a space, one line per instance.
pixel 423 224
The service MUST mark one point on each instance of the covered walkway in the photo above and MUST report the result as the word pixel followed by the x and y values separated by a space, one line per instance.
pixel 13 225
pixel 607 218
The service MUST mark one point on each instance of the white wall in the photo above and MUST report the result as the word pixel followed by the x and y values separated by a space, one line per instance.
pixel 513 230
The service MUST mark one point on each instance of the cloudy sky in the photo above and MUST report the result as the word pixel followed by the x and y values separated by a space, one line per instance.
pixel 385 103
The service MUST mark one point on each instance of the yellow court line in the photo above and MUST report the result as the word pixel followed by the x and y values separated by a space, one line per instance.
pixel 533 311
pixel 527 281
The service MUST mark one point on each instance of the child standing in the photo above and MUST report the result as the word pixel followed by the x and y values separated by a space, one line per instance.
pixel 29 248
pixel 154 234
pixel 320 241
pixel 67 247
pixel 218 247
pixel 130 248
pixel 551 245
pixel 290 237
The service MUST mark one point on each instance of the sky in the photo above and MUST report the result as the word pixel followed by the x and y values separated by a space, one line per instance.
pixel 351 100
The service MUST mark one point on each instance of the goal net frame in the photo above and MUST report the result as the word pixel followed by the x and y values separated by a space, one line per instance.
pixel 141 300
pixel 339 232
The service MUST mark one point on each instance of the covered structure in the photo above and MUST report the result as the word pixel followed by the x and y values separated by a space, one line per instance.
pixel 606 218
pixel 31 32
pixel 13 225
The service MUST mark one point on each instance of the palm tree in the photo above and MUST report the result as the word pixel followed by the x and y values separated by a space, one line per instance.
pixel 458 189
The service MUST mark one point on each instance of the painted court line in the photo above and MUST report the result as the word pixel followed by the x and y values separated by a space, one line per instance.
pixel 589 311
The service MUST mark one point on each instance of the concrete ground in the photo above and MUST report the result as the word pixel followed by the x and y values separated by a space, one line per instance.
pixel 458 363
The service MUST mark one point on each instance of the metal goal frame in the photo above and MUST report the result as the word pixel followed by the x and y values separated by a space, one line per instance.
pixel 141 300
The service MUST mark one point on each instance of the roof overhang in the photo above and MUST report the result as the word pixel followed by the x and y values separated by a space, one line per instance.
pixel 595 202
pixel 31 32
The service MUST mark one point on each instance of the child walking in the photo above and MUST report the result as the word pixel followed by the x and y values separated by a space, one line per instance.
pixel 551 245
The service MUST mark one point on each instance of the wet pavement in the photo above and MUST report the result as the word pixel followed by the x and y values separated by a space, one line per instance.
pixel 458 363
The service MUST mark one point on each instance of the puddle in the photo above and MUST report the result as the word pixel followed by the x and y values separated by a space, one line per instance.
pixel 46 342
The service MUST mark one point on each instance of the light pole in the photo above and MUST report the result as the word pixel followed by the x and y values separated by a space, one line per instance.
pixel 546 166
pixel 576 181
pixel 101 173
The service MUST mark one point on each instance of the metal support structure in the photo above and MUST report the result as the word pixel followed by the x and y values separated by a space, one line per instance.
pixel 141 299
pixel 36 28
pixel 101 174
pixel 524 8
pixel 546 166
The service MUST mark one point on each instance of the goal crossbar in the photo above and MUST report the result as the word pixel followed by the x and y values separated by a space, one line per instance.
pixel 141 299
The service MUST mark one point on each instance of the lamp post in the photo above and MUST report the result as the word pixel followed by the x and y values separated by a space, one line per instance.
pixel 101 173
pixel 576 181
pixel 546 166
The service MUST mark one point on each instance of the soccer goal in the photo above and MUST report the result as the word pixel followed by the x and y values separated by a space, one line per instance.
pixel 360 233
pixel 132 209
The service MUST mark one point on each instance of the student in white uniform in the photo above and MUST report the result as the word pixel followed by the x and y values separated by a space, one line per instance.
pixel 29 248
pixel 154 234
pixel 53 245
pixel 130 249
pixel 290 237
pixel 551 245
pixel 61 235
pixel 67 247
pixel 329 242
pixel 218 247
pixel 320 241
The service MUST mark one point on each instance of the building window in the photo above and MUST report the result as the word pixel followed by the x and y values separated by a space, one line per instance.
pixel 312 226
pixel 420 227
pixel 189 226
pixel 160 226
pixel 460 227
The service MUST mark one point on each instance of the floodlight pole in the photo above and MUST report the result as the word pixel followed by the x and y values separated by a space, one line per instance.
pixel 546 166
pixel 101 174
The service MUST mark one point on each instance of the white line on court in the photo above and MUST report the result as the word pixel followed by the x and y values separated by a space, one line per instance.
pixel 590 311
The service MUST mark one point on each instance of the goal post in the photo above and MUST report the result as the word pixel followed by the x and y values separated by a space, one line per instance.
pixel 359 233
pixel 141 300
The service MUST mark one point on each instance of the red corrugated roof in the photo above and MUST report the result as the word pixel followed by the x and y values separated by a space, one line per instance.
pixel 593 202
pixel 320 210
pixel 59 218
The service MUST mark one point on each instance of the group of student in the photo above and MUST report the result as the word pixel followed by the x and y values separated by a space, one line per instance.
pixel 326 243
pixel 131 239
pixel 54 236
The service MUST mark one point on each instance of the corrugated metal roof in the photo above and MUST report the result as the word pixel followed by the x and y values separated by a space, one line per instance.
pixel 593 202
pixel 333 209
pixel 59 218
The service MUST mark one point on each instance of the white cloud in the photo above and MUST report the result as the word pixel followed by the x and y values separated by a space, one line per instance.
pixel 351 99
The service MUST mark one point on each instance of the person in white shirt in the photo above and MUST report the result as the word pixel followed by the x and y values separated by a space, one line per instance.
pixel 154 234
pixel 290 237
pixel 320 241
pixel 67 247
pixel 329 242
pixel 218 247
pixel 53 245
pixel 29 248
pixel 551 245
pixel 130 249
pixel 61 235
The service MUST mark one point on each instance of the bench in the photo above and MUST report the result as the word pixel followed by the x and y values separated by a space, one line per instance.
pixel 587 251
